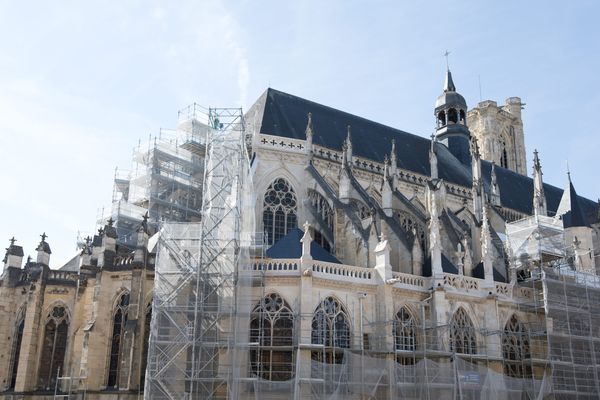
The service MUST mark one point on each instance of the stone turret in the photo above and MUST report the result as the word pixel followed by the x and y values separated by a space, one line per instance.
pixel 451 117
pixel 43 251
pixel 539 197
pixel 14 255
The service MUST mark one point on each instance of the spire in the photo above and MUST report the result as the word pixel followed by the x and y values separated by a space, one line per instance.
pixel 349 146
pixel 449 84
pixel 495 189
pixel 486 251
pixel 569 209
pixel 539 197
pixel 433 159
pixel 477 186
pixel 451 120
pixel 393 162
pixel 309 134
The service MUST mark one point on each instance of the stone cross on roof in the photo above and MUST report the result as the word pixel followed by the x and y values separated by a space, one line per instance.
pixel 43 236
pixel 446 54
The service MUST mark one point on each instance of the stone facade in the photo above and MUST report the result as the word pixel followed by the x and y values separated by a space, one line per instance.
pixel 403 243
pixel 499 130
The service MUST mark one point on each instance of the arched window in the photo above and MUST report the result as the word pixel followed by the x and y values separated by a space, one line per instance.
pixel 116 348
pixel 405 336
pixel 16 350
pixel 462 116
pixel 331 328
pixel 515 349
pixel 441 118
pixel 452 116
pixel 462 333
pixel 144 363
pixel 503 153
pixel 412 228
pixel 272 328
pixel 54 347
pixel 322 208
pixel 279 210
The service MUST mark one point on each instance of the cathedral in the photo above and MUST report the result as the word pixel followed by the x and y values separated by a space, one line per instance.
pixel 381 264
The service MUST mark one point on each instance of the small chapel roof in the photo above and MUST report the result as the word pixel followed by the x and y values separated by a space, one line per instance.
pixel 290 246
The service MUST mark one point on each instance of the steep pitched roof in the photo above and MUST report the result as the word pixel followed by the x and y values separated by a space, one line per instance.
pixel 570 209
pixel 285 115
pixel 289 246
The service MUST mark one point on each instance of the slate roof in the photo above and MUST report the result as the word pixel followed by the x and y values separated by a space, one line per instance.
pixel 479 272
pixel 570 208
pixel 285 115
pixel 447 266
pixel 289 246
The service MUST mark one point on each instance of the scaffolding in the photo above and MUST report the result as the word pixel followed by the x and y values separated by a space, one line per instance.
pixel 165 179
pixel 220 331
pixel 192 342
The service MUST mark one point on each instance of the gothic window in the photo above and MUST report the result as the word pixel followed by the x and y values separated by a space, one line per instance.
pixel 452 116
pixel 360 208
pixel 503 154
pixel 16 351
pixel 405 335
pixel 331 328
pixel 515 349
pixel 462 116
pixel 54 347
pixel 271 328
pixel 441 118
pixel 462 333
pixel 412 228
pixel 116 348
pixel 144 363
pixel 322 208
pixel 279 210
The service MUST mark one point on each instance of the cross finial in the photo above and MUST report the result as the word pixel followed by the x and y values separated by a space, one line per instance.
pixel 110 221
pixel 12 240
pixel 43 236
pixel 568 171
pixel 446 54
pixel 88 240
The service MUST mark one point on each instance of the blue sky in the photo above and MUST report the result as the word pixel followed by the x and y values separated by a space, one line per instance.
pixel 82 82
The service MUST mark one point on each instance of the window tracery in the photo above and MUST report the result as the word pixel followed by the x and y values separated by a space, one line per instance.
pixel 321 206
pixel 405 335
pixel 503 153
pixel 54 346
pixel 411 227
pixel 271 327
pixel 516 349
pixel 462 333
pixel 279 210
pixel 116 349
pixel 331 328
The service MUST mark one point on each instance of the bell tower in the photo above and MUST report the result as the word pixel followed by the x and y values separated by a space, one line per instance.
pixel 451 117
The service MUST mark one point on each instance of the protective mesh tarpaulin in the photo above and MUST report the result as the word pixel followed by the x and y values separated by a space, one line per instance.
pixel 365 377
